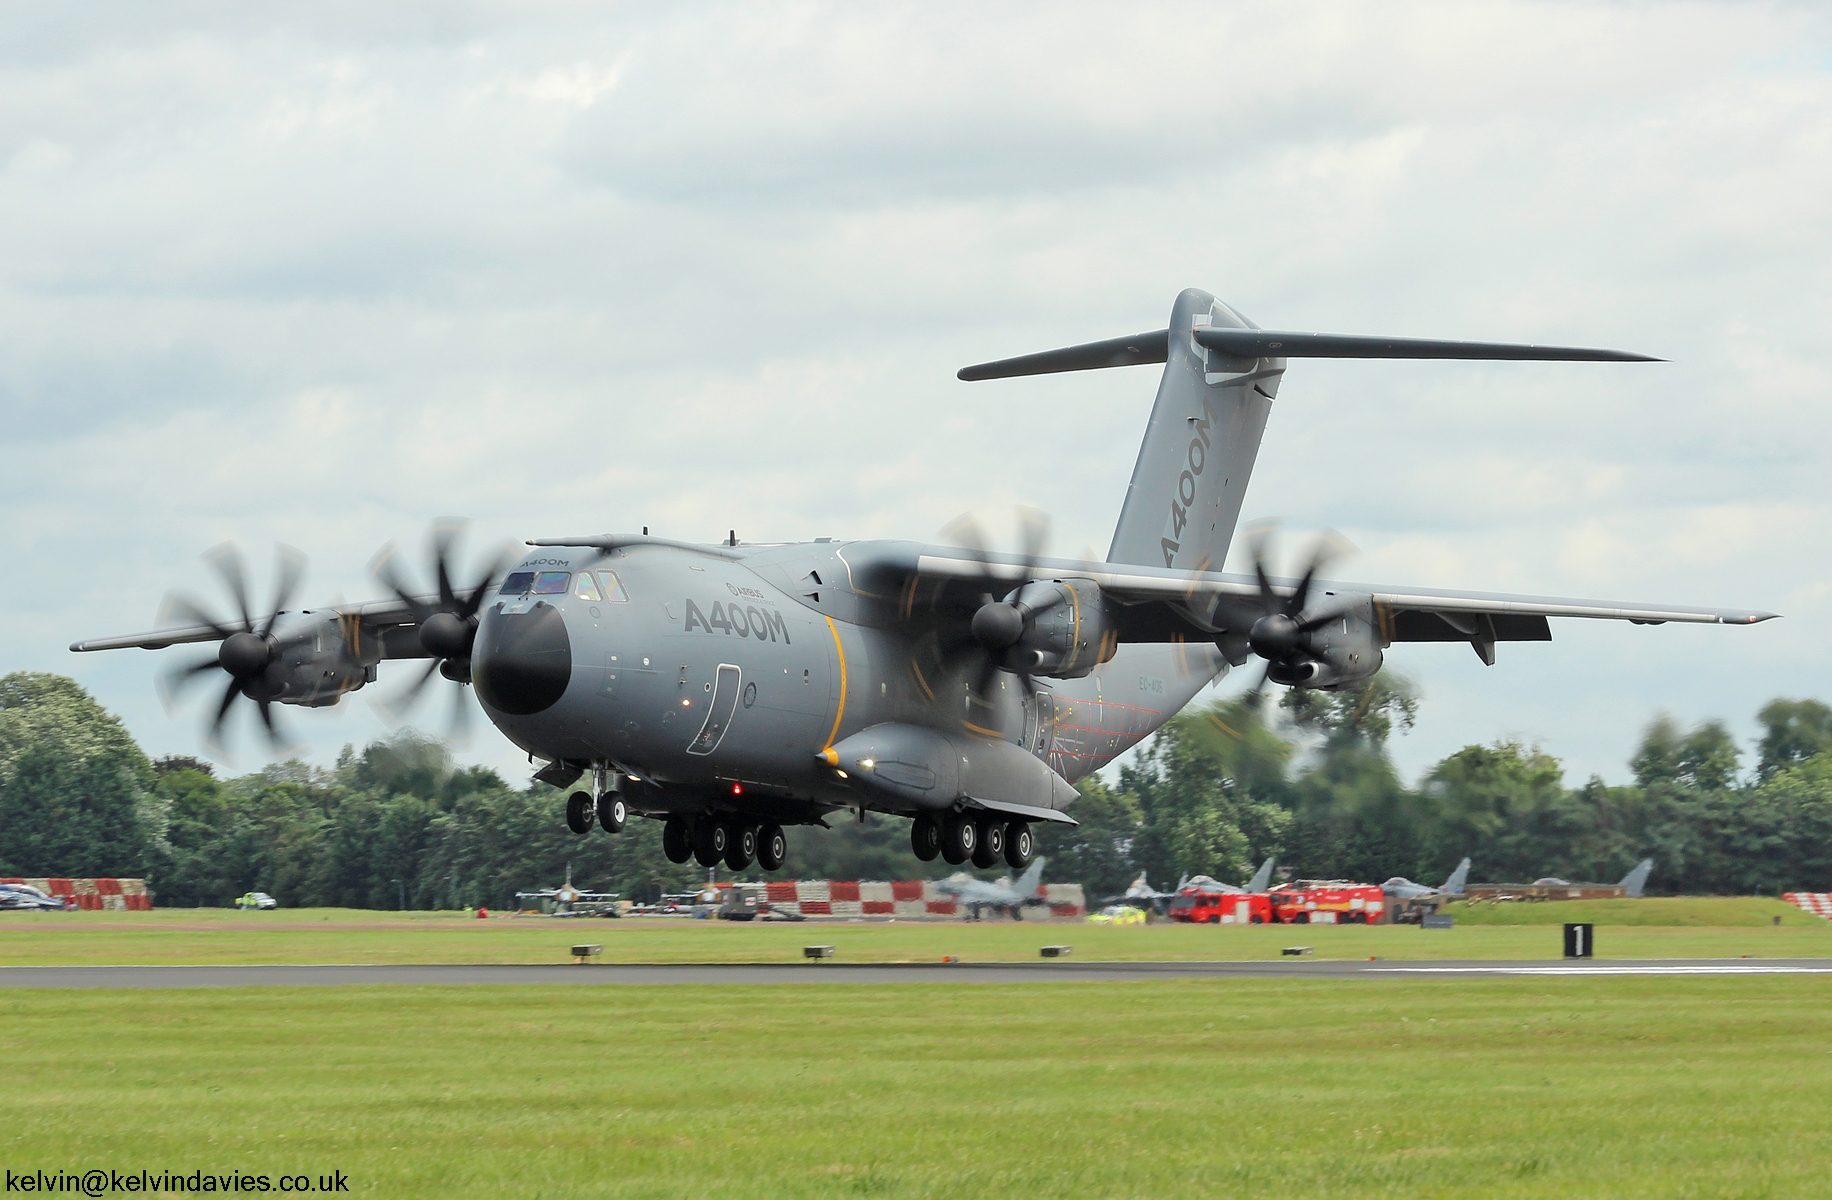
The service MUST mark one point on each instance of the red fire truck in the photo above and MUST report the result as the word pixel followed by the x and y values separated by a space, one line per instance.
pixel 1202 906
pixel 1326 902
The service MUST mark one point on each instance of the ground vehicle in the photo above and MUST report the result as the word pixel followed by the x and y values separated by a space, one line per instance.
pixel 1326 902
pixel 1201 906
pixel 255 900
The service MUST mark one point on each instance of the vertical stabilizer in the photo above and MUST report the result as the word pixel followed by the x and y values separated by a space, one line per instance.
pixel 1262 878
pixel 1636 880
pixel 1454 885
pixel 1199 449
pixel 1030 881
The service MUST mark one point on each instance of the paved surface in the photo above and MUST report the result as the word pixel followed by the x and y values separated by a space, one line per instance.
pixel 832 972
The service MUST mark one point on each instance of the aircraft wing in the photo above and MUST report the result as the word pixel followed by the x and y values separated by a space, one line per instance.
pixel 1407 614
pixel 378 616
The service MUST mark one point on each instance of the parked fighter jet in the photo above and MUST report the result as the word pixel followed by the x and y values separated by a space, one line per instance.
pixel 1399 888
pixel 23 896
pixel 1632 883
pixel 730 689
pixel 1001 895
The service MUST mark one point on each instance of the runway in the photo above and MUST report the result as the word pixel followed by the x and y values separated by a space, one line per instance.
pixel 703 975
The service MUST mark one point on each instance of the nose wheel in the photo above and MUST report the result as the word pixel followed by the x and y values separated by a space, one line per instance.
pixel 579 808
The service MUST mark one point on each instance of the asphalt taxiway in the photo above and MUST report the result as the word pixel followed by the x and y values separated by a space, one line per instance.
pixel 705 974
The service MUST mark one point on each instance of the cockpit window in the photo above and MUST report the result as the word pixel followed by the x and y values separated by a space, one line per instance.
pixel 613 587
pixel 551 583
pixel 588 587
pixel 517 584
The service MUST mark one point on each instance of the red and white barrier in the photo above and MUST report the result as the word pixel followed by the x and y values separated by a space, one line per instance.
pixel 1817 903
pixel 95 895
pixel 904 898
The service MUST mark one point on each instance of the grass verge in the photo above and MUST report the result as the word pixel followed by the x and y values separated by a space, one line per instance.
pixel 180 936
pixel 1501 1088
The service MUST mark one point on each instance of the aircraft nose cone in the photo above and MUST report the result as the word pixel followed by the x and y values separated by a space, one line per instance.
pixel 522 662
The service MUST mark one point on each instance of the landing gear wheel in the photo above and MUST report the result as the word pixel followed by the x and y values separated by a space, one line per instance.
pixel 991 839
pixel 612 812
pixel 710 839
pixel 772 847
pixel 925 837
pixel 740 845
pixel 677 840
pixel 579 812
pixel 1020 846
pixel 958 838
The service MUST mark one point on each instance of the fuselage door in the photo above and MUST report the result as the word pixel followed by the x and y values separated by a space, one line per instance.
pixel 719 713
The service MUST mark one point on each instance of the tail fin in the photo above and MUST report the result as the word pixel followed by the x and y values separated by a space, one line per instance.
pixel 1199 449
pixel 1637 879
pixel 1454 885
pixel 1027 884
pixel 1262 877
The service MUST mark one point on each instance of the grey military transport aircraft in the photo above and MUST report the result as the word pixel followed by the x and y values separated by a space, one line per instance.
pixel 731 689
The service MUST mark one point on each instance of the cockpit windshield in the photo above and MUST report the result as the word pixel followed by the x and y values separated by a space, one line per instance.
pixel 551 583
pixel 517 584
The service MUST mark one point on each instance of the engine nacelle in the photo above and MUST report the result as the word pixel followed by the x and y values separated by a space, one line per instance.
pixel 1345 651
pixel 1067 639
pixel 316 661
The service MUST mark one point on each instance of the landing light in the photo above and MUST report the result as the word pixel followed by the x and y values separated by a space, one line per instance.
pixel 686 703
pixel 868 763
pixel 841 774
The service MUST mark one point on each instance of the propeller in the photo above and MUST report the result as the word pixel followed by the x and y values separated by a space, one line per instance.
pixel 982 634
pixel 1280 634
pixel 250 652
pixel 447 623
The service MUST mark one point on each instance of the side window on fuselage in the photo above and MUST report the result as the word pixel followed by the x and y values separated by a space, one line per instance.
pixel 613 587
pixel 588 588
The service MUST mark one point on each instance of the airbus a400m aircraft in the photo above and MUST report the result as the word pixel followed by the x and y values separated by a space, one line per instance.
pixel 729 690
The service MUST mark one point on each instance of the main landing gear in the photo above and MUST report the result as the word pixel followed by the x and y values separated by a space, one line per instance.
pixel 982 837
pixel 735 841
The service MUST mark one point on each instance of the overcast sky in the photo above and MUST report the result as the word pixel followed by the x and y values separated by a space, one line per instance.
pixel 321 273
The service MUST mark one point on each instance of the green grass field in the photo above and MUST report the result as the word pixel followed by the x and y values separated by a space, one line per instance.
pixel 1707 928
pixel 1592 1087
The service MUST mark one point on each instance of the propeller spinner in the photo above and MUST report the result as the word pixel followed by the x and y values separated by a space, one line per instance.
pixel 447 624
pixel 250 652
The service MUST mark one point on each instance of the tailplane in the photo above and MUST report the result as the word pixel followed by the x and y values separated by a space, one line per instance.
pixel 1221 373
pixel 1454 885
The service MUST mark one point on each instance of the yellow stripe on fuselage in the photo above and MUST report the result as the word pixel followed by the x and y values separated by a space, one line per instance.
pixel 839 715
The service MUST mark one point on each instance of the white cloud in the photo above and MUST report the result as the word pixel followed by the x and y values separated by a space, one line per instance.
pixel 320 274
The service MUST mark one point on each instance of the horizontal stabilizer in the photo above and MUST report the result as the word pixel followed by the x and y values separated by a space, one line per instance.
pixel 1270 343
pixel 1134 351
pixel 1154 347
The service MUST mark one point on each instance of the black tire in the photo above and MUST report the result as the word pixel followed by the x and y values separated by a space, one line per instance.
pixel 959 837
pixel 740 845
pixel 677 840
pixel 709 841
pixel 772 847
pixel 612 812
pixel 579 812
pixel 925 837
pixel 1020 845
pixel 991 842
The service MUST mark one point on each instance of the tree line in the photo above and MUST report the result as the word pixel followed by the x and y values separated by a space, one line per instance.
pixel 1311 781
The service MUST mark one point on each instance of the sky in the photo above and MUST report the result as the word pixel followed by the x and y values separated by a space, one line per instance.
pixel 322 273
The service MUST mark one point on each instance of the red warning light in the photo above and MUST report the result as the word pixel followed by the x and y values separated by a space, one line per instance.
pixel 737 789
